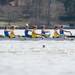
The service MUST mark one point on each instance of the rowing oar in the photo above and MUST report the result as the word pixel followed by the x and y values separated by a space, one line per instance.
pixel 69 32
pixel 70 36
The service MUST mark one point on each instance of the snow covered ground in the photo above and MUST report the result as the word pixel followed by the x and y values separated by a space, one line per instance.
pixel 31 58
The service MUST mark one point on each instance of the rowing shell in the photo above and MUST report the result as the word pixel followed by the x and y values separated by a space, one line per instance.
pixel 22 38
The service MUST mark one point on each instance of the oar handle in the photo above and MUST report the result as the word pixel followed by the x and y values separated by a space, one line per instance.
pixel 69 32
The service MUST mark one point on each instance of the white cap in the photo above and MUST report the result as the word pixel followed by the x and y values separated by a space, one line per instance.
pixel 27 25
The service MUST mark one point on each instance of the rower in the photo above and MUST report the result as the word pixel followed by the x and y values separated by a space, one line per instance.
pixel 61 31
pixel 34 34
pixel 12 34
pixel 6 32
pixel 27 31
pixel 56 34
pixel 44 33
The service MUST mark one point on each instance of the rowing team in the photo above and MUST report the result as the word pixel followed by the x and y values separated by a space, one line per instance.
pixel 44 33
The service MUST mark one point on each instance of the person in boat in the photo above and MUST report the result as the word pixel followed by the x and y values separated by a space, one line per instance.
pixel 12 34
pixel 61 31
pixel 44 33
pixel 26 32
pixel 34 34
pixel 6 32
pixel 55 33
